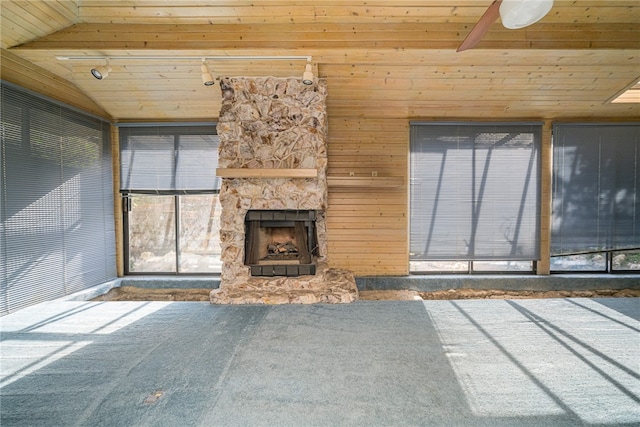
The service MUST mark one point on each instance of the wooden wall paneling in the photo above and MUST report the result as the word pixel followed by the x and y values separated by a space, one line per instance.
pixel 117 201
pixel 543 266
pixel 367 226
pixel 385 63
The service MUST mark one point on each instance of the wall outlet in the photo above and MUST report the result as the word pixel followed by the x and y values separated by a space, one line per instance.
pixel 352 174
pixel 374 173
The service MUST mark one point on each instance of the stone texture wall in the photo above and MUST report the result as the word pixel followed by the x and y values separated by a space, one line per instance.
pixel 270 123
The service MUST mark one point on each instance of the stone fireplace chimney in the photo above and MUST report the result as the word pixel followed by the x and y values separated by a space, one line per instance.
pixel 273 162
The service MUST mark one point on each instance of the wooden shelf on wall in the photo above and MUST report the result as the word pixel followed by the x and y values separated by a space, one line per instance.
pixel 365 181
pixel 266 173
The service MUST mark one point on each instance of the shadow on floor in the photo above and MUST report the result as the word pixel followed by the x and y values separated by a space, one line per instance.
pixel 453 363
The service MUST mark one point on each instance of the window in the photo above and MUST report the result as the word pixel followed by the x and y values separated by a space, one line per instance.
pixel 596 201
pixel 474 197
pixel 56 201
pixel 170 191
pixel 598 262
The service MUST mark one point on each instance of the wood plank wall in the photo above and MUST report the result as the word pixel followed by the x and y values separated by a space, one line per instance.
pixel 117 200
pixel 368 226
pixel 543 266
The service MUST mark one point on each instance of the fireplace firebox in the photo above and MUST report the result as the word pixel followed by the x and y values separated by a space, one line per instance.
pixel 281 242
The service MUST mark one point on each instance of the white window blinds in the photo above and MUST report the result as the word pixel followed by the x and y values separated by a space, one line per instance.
pixel 596 185
pixel 169 158
pixel 56 201
pixel 474 191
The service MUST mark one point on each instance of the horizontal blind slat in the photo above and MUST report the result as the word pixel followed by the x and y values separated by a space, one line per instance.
pixel 596 187
pixel 55 202
pixel 169 158
pixel 474 192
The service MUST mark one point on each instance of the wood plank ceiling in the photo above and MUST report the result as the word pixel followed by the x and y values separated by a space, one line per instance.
pixel 380 59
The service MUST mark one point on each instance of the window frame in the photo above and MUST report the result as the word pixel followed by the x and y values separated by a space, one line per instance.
pixel 537 151
pixel 594 133
pixel 127 194
pixel 609 267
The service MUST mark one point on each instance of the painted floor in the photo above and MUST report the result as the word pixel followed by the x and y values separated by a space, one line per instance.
pixel 539 362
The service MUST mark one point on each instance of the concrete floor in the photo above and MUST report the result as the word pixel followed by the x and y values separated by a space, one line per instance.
pixel 556 362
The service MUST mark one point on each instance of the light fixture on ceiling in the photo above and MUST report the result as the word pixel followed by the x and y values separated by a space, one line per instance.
pixel 307 76
pixel 522 13
pixel 207 77
pixel 513 13
pixel 102 71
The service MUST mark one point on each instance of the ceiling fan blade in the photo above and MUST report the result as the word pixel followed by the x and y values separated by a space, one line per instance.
pixel 482 26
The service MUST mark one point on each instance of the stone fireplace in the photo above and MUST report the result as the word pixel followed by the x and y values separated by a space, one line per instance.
pixel 273 161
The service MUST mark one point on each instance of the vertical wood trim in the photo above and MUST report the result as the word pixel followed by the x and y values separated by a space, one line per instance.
pixel 546 175
pixel 407 205
pixel 117 200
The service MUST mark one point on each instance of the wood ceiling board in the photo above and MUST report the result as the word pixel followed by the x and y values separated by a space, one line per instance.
pixel 19 71
pixel 213 37
pixel 378 59
pixel 22 21
pixel 282 12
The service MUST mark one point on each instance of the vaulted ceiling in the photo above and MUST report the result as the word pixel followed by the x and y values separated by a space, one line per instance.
pixel 380 58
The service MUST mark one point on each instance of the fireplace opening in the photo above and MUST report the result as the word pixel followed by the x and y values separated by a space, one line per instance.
pixel 281 242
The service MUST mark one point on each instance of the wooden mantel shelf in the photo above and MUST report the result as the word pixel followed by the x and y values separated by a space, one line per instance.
pixel 266 173
pixel 365 181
